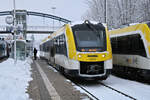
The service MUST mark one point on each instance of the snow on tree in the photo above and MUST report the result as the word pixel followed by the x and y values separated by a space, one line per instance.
pixel 119 12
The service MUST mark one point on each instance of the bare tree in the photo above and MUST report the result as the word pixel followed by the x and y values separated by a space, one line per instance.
pixel 96 10
pixel 119 12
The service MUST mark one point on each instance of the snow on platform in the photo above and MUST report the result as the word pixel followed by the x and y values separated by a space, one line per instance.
pixel 14 79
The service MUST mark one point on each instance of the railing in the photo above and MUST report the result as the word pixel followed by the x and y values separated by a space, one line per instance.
pixel 30 29
pixel 3 28
pixel 4 13
pixel 42 28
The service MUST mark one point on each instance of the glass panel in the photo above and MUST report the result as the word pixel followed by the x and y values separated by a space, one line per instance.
pixel 20 50
pixel 94 39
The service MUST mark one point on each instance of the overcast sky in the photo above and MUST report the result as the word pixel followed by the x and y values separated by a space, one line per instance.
pixel 70 9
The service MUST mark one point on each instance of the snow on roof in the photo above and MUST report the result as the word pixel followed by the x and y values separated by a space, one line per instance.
pixel 81 22
pixel 133 24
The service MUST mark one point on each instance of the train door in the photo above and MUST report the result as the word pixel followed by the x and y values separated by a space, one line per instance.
pixel 52 51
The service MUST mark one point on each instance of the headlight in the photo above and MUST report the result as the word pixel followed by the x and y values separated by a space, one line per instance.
pixel 103 55
pixel 79 56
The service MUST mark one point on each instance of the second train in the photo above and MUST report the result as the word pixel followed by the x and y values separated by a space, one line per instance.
pixel 131 51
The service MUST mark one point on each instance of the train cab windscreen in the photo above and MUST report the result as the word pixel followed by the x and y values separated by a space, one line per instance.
pixel 90 39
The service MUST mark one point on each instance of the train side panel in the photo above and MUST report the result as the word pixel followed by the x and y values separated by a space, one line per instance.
pixel 131 51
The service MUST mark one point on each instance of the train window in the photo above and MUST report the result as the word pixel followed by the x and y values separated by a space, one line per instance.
pixel 131 44
pixel 61 39
pixel 47 46
pixel 43 47
pixel 60 45
pixel 148 24
pixel 90 39
pixel 40 47
pixel 64 45
pixel 55 41
pixel 57 44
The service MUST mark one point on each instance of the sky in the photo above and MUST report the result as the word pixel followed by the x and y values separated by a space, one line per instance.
pixel 69 9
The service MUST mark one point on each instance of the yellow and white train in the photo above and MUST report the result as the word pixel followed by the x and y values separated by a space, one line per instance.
pixel 79 50
pixel 131 50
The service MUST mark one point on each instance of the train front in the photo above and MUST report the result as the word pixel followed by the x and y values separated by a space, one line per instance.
pixel 93 50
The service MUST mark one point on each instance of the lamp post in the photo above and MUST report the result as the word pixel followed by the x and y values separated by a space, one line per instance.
pixel 53 9
pixel 14 29
pixel 105 13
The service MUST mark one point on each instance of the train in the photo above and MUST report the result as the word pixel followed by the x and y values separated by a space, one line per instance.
pixel 4 48
pixel 80 50
pixel 131 51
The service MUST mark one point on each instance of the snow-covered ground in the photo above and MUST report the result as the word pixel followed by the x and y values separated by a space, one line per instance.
pixel 137 90
pixel 14 79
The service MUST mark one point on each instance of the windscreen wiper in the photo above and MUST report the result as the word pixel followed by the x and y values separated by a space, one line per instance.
pixel 91 26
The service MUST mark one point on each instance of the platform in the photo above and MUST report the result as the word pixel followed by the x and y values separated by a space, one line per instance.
pixel 48 84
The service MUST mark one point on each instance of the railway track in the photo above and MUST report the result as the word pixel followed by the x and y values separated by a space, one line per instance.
pixel 86 91
pixel 106 86
pixel 118 91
